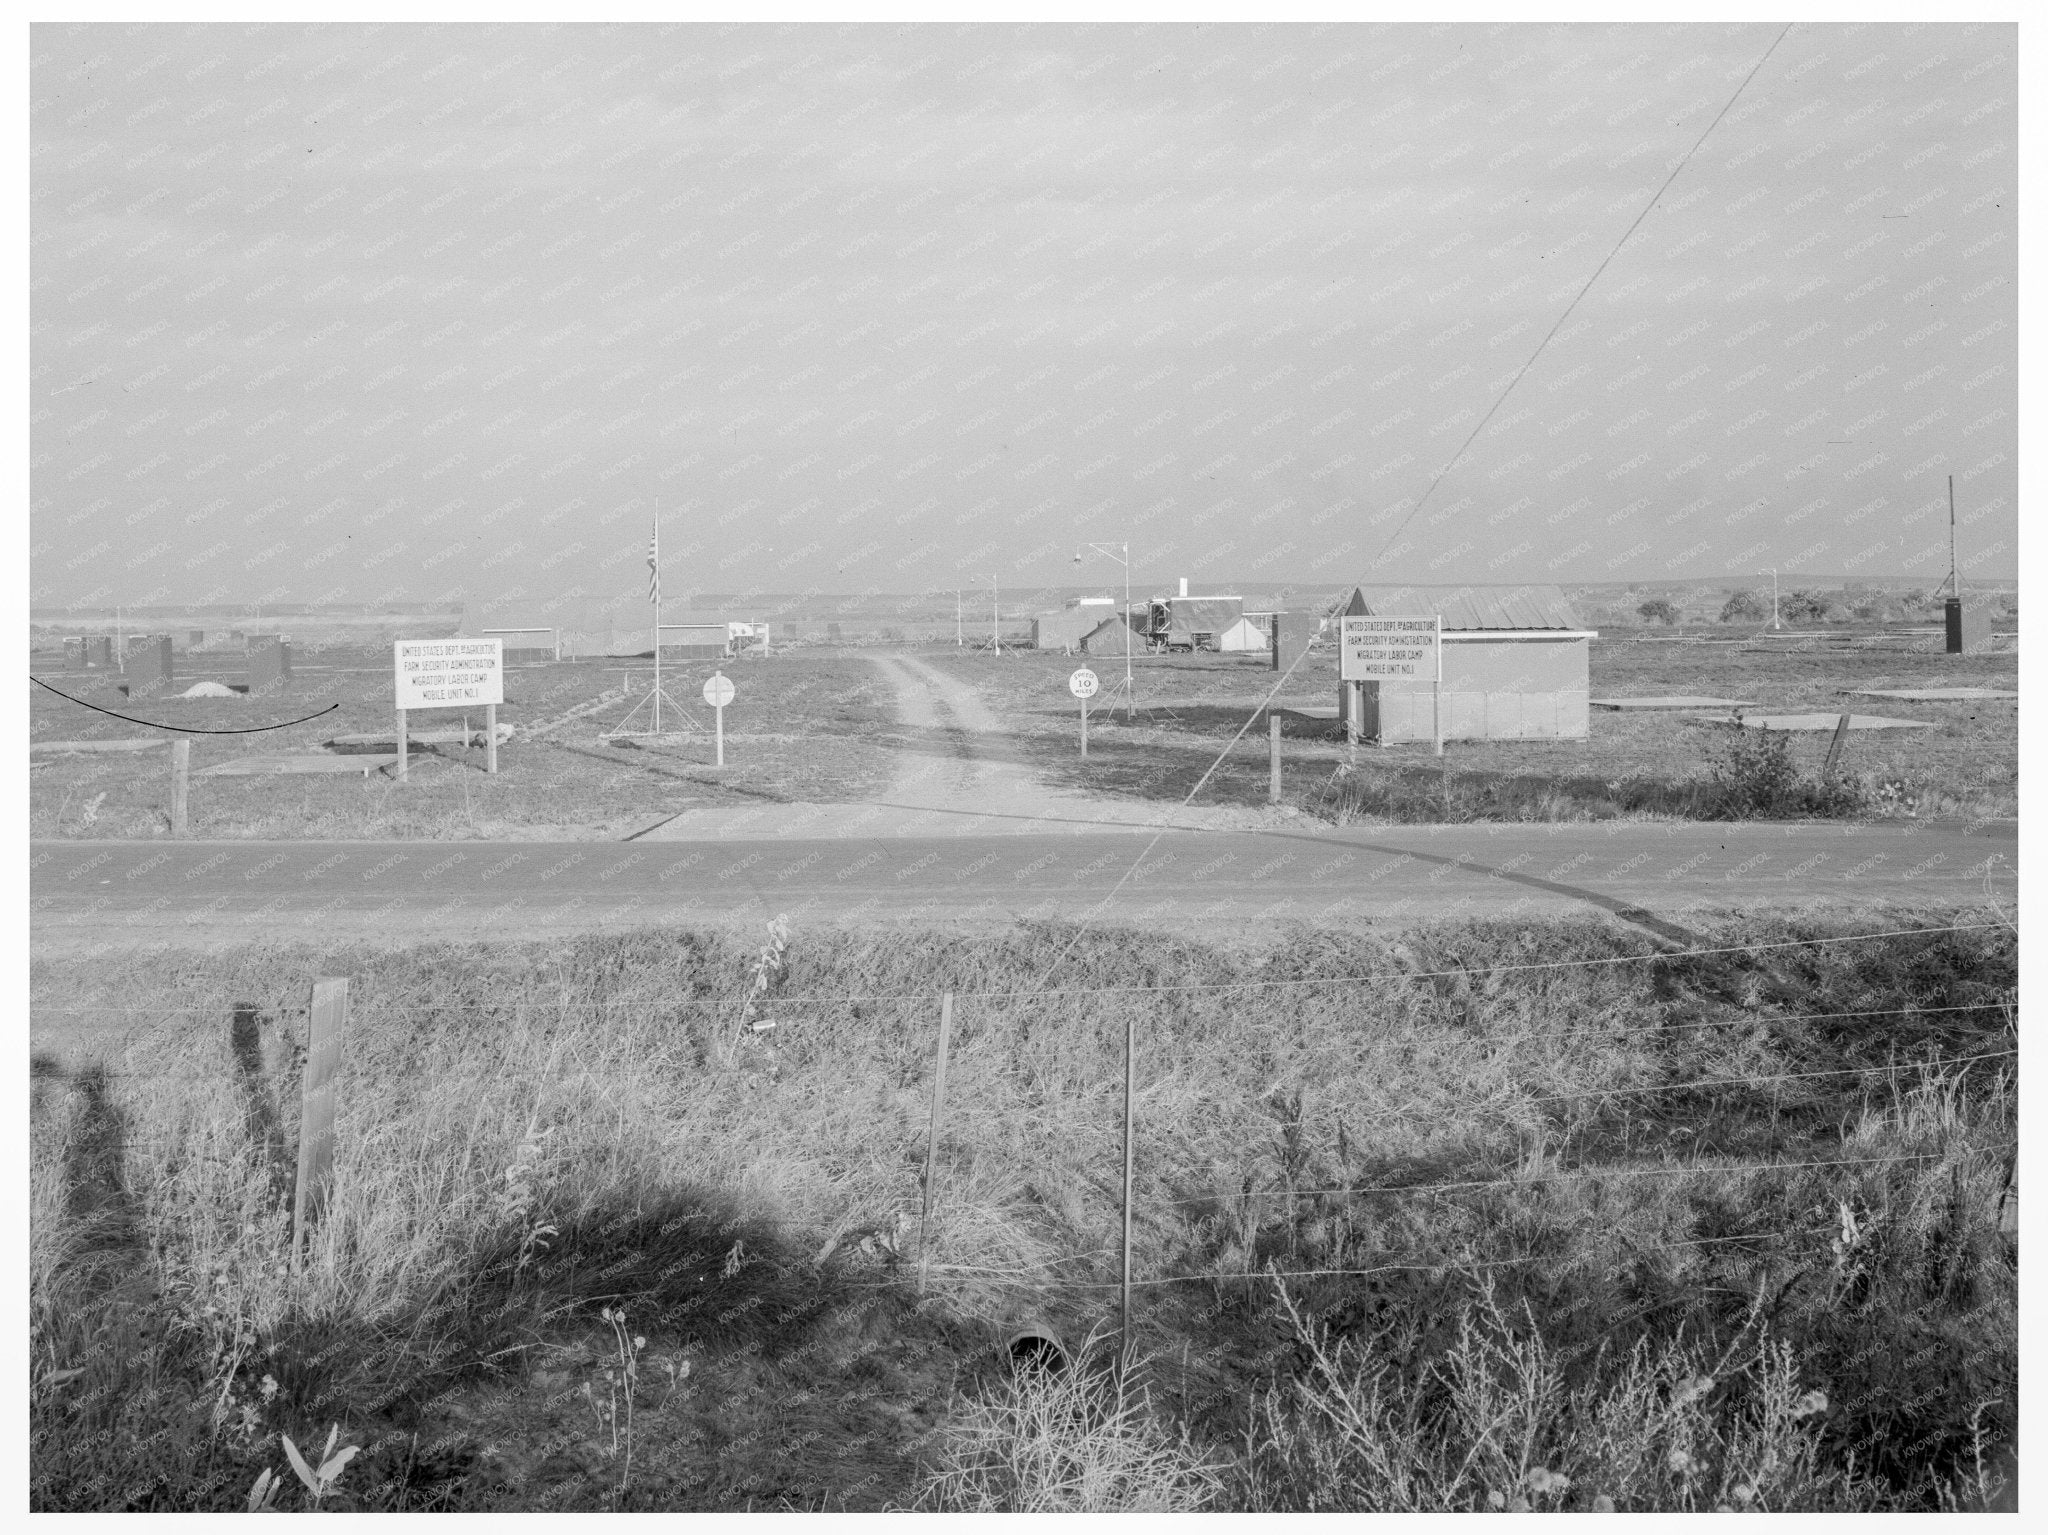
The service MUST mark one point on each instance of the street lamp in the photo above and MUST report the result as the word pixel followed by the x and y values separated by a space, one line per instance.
pixel 1123 559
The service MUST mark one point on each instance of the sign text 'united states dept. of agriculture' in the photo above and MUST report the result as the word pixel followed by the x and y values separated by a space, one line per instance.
pixel 448 674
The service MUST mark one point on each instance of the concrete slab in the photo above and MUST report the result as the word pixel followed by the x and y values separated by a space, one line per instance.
pixel 1822 722
pixel 1931 695
pixel 362 764
pixel 1673 701
pixel 388 739
pixel 128 745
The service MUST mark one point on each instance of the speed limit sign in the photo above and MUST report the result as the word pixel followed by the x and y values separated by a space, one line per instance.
pixel 1084 683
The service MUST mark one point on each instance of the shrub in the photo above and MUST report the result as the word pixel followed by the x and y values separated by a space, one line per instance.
pixel 1753 776
pixel 1744 605
pixel 1803 607
pixel 1079 1439
pixel 1657 610
pixel 1500 1423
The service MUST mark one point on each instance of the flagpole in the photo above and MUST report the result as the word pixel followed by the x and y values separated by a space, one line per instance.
pixel 657 617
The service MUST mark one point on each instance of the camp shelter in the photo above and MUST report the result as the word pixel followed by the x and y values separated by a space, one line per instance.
pixel 1515 665
pixel 1248 633
pixel 1194 623
pixel 1113 636
pixel 1064 629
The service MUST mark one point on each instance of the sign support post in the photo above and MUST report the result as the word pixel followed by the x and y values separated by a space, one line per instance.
pixel 400 774
pixel 1437 706
pixel 718 691
pixel 1083 685
pixel 491 738
pixel 1273 737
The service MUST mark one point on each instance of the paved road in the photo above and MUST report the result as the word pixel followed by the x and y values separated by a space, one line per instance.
pixel 86 895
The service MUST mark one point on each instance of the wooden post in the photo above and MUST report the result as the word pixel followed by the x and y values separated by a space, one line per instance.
pixel 720 711
pixel 1437 709
pixel 1273 754
pixel 1130 1074
pixel 181 782
pixel 400 774
pixel 931 1149
pixel 1835 748
pixel 328 1017
pixel 490 738
pixel 1084 727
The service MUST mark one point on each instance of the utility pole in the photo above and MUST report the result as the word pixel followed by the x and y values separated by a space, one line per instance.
pixel 1774 600
pixel 1955 582
pixel 995 624
pixel 654 593
pixel 959 619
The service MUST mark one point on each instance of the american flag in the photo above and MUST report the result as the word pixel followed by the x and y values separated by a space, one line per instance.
pixel 654 568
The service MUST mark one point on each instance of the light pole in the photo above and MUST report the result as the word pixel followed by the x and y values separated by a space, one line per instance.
pixel 1123 559
pixel 1774 601
pixel 995 626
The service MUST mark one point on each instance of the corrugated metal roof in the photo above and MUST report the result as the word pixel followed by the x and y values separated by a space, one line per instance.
pixel 1471 607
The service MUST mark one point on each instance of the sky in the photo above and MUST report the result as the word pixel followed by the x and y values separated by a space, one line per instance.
pixel 425 313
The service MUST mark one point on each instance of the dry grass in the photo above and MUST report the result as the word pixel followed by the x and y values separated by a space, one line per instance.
pixel 591 1108
pixel 1632 765
pixel 570 786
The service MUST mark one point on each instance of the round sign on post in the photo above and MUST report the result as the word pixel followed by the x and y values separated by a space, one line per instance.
pixel 718 693
pixel 1083 685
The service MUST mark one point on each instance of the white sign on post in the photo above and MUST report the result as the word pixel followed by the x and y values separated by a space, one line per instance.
pixel 1083 685
pixel 1373 648
pixel 448 674
pixel 718 692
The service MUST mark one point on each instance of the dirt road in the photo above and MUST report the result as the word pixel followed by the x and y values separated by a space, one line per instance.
pixel 959 774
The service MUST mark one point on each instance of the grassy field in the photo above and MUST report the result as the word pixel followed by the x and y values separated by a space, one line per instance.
pixel 1632 764
pixel 594 1243
pixel 568 785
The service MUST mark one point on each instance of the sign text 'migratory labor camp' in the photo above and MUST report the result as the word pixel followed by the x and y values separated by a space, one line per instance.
pixel 1388 647
pixel 448 674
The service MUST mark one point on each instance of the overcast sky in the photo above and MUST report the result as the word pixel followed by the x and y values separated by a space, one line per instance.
pixel 353 313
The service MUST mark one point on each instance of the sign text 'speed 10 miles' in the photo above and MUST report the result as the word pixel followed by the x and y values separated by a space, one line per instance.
pixel 448 674
pixel 1373 648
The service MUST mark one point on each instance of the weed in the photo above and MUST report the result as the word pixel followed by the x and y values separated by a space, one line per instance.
pixel 1083 1438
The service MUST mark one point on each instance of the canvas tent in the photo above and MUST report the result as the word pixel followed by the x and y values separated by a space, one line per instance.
pixel 1063 630
pixel 1515 663
pixel 1112 636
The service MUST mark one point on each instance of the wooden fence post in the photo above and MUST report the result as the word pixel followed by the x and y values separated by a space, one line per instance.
pixel 328 1017
pixel 399 772
pixel 1273 738
pixel 181 782
pixel 1835 748
pixel 931 1149
pixel 1130 1077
